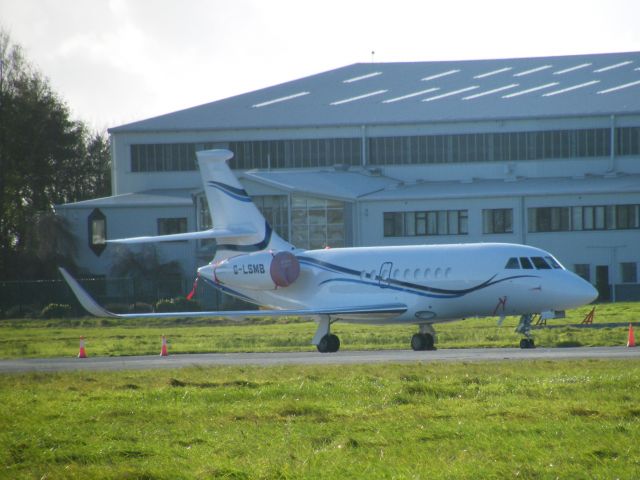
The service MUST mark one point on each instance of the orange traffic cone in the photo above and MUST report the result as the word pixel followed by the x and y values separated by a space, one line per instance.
pixel 163 350
pixel 83 352
pixel 631 342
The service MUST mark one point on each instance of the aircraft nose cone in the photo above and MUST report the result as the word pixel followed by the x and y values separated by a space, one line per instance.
pixel 583 292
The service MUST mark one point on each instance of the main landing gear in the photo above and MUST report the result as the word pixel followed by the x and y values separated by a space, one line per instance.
pixel 324 340
pixel 524 327
pixel 425 339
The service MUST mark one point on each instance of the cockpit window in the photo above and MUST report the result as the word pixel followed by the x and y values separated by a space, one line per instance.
pixel 540 263
pixel 554 263
pixel 512 263
pixel 526 263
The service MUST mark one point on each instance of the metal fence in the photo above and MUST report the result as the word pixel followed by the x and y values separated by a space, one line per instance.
pixel 24 298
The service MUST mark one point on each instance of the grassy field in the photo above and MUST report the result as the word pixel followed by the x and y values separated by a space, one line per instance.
pixel 531 420
pixel 107 337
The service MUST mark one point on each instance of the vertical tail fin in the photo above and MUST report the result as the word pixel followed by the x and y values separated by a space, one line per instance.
pixel 232 209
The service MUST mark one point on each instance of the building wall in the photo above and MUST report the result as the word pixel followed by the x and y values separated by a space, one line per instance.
pixel 364 224
pixel 123 222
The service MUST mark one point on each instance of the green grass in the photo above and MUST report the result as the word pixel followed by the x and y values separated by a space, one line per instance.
pixel 531 420
pixel 108 337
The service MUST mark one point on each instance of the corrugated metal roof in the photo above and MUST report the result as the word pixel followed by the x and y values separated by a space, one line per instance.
pixel 326 184
pixel 423 92
pixel 530 187
pixel 150 198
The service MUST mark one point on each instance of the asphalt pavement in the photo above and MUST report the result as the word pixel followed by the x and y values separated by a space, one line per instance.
pixel 344 357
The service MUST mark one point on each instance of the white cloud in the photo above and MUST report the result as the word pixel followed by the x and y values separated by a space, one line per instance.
pixel 120 60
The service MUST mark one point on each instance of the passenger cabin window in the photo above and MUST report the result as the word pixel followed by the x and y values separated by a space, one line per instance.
pixel 512 263
pixel 526 264
pixel 540 263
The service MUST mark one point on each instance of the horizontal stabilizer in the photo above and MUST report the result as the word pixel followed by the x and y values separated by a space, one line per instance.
pixel 236 232
pixel 89 304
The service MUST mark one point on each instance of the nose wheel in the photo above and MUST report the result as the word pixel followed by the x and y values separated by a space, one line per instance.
pixel 524 327
pixel 527 343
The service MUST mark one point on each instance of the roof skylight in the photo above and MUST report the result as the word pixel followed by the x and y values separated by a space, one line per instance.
pixel 571 69
pixel 362 77
pixel 493 72
pixel 448 94
pixel 533 70
pixel 359 97
pixel 611 67
pixel 529 90
pixel 489 92
pixel 410 95
pixel 620 87
pixel 438 75
pixel 568 89
pixel 281 99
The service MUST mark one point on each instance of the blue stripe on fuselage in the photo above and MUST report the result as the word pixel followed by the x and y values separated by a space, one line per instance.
pixel 228 290
pixel 421 290
pixel 399 285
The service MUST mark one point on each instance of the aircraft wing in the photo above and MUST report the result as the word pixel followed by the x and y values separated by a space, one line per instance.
pixel 203 234
pixel 91 306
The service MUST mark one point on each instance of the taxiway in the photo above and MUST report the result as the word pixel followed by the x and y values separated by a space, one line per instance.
pixel 312 358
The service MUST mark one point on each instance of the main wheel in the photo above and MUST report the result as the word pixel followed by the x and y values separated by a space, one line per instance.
pixel 329 344
pixel 428 341
pixel 334 343
pixel 418 342
pixel 422 341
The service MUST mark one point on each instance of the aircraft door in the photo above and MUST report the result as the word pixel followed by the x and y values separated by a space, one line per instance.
pixel 384 278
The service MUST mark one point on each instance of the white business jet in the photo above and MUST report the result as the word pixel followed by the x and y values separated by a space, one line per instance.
pixel 421 285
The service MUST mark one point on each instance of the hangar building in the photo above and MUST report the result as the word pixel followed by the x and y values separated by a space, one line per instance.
pixel 540 151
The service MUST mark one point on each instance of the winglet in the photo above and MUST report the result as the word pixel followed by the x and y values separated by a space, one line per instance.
pixel 89 304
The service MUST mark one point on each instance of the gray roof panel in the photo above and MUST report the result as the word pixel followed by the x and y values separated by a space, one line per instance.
pixel 425 92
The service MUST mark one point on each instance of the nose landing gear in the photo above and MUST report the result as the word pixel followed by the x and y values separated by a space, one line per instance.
pixel 524 327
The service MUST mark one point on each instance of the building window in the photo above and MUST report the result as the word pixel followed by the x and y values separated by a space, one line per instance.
pixel 275 209
pixel 501 147
pixel 627 216
pixel 499 220
pixel 434 222
pixel 317 222
pixel 204 223
pixel 169 226
pixel 97 223
pixel 549 219
pixel 629 272
pixel 163 157
pixel 420 149
pixel 591 217
pixel 583 270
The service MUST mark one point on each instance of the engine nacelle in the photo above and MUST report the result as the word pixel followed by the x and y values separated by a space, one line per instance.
pixel 259 271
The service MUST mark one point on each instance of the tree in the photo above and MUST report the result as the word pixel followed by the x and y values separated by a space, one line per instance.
pixel 46 158
pixel 153 278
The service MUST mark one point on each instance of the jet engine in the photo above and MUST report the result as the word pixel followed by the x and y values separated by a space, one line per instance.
pixel 258 271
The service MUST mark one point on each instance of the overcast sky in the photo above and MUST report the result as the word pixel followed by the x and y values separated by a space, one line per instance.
pixel 116 61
